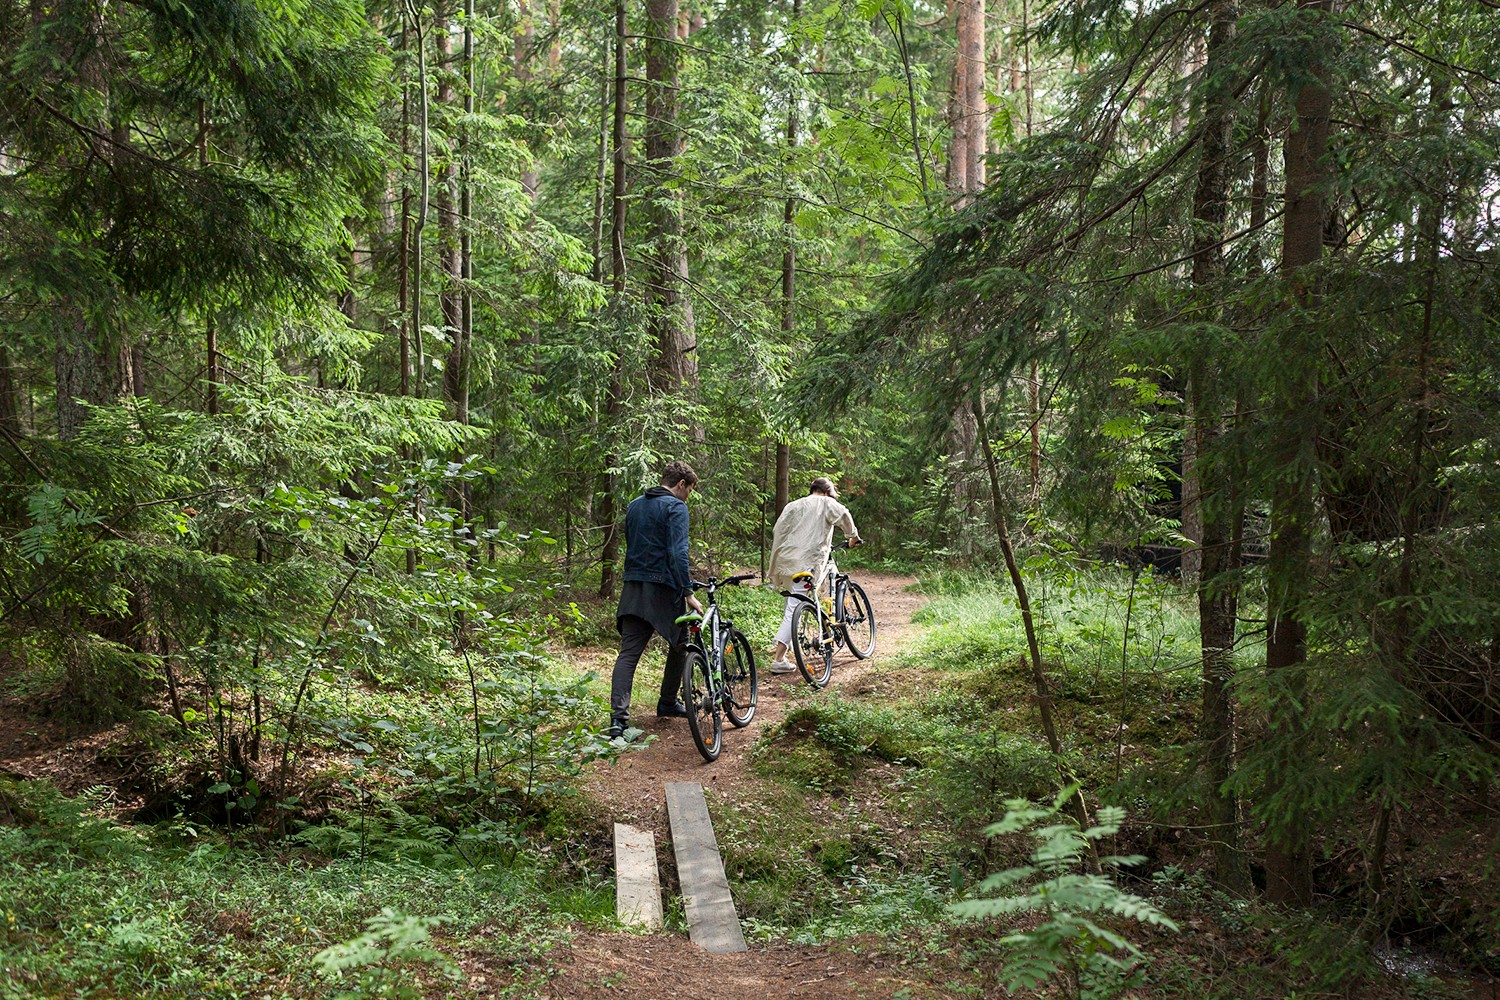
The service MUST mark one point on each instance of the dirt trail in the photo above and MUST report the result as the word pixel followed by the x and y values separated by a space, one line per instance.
pixel 630 789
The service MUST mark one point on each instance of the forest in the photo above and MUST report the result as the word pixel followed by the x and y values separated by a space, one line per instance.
pixel 1151 344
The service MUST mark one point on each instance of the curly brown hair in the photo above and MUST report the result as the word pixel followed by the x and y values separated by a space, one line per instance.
pixel 678 472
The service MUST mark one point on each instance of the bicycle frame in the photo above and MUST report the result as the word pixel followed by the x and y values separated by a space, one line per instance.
pixel 718 628
pixel 837 585
pixel 707 689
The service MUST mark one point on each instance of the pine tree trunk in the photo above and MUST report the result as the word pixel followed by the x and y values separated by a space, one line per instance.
pixel 975 105
pixel 670 306
pixel 454 390
pixel 85 375
pixel 403 252
pixel 10 397
pixel 1214 502
pixel 783 482
pixel 522 57
pixel 610 548
pixel 958 116
pixel 1288 866
pixel 419 225
pixel 87 365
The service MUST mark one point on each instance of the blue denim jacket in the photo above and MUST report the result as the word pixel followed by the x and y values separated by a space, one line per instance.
pixel 656 540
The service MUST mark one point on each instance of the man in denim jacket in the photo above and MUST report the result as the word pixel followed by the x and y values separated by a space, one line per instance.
pixel 656 582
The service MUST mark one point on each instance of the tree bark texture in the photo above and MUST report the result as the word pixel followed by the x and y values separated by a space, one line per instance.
pixel 523 55
pixel 1288 866
pixel 975 105
pixel 621 147
pixel 958 118
pixel 1212 488
pixel 671 308
pixel 10 397
pixel 783 483
pixel 609 549
pixel 448 249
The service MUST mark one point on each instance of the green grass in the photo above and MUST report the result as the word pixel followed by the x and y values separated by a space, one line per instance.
pixel 880 805
pixel 92 909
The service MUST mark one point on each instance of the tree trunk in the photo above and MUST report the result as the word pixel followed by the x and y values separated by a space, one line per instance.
pixel 86 374
pixel 596 272
pixel 454 390
pixel 783 482
pixel 1288 866
pixel 90 368
pixel 958 112
pixel 1213 498
pixel 621 151
pixel 465 223
pixel 670 306
pixel 10 397
pixel 403 252
pixel 609 550
pixel 975 105
pixel 967 176
pixel 1023 602
pixel 465 337
pixel 522 57
pixel 420 224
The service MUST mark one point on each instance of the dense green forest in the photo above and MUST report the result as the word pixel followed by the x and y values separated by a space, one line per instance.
pixel 1152 342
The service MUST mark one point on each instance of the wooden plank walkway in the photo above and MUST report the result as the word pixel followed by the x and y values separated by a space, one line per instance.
pixel 637 883
pixel 712 923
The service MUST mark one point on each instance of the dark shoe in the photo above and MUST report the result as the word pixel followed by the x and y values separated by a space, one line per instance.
pixel 617 728
pixel 676 710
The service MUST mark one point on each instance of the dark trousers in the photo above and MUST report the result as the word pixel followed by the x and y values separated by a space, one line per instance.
pixel 635 633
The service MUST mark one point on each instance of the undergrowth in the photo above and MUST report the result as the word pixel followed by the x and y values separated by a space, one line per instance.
pixel 167 913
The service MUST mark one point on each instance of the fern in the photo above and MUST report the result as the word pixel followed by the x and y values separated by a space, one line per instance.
pixel 382 956
pixel 1094 958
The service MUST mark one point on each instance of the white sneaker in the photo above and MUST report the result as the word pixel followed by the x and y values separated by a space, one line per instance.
pixel 782 667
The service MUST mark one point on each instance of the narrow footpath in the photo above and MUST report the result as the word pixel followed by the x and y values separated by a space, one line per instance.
pixel 662 965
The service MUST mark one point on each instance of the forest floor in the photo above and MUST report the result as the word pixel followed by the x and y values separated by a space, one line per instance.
pixel 590 959
pixel 631 789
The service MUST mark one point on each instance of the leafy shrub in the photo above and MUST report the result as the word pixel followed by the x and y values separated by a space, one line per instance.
pixel 1094 960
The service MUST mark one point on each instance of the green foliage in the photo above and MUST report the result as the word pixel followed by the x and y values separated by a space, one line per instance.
pixel 41 823
pixel 380 958
pixel 80 910
pixel 1071 940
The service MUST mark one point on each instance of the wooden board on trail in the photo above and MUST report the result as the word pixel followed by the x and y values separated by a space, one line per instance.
pixel 712 923
pixel 637 883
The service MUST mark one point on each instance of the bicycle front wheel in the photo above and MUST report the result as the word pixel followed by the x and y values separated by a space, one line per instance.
pixel 812 646
pixel 740 684
pixel 705 713
pixel 858 621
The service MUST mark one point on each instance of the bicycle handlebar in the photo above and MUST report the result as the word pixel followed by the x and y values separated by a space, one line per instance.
pixel 728 581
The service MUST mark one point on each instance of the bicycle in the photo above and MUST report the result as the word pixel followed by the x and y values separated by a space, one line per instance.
pixel 718 678
pixel 842 617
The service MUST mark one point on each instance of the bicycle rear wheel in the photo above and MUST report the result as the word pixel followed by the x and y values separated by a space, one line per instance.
pixel 705 713
pixel 740 683
pixel 858 621
pixel 812 646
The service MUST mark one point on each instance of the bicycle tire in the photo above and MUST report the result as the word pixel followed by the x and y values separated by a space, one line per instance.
pixel 858 621
pixel 705 716
pixel 811 648
pixel 741 686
